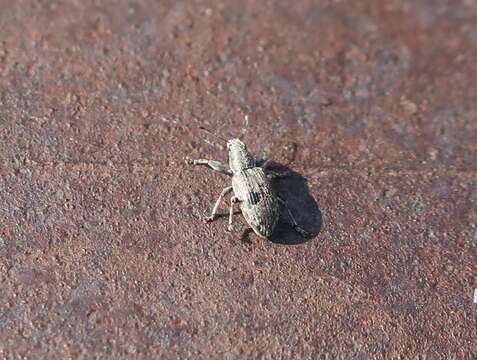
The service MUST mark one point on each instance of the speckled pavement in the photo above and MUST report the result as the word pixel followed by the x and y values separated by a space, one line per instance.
pixel 372 105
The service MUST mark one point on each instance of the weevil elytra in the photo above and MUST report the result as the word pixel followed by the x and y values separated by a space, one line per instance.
pixel 251 189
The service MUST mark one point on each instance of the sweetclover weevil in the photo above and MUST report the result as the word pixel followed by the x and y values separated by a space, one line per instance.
pixel 252 189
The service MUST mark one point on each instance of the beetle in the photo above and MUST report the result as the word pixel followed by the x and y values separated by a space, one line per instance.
pixel 252 189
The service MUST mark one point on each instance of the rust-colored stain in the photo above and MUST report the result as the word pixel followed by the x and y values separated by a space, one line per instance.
pixel 371 105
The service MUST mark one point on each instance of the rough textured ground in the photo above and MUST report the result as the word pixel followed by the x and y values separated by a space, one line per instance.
pixel 102 249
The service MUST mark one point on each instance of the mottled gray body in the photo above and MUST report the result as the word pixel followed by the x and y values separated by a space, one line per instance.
pixel 257 201
pixel 252 190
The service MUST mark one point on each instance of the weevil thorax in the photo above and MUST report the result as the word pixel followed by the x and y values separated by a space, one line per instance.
pixel 239 157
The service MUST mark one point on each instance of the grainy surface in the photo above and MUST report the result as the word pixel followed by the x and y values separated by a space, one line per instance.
pixel 102 251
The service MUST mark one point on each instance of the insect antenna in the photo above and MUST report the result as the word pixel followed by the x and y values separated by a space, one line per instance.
pixel 211 133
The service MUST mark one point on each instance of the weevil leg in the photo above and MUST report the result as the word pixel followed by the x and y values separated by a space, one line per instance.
pixel 297 228
pixel 272 175
pixel 213 164
pixel 233 200
pixel 262 163
pixel 217 204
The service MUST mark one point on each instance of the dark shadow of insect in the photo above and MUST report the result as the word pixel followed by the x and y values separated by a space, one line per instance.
pixel 245 237
pixel 293 189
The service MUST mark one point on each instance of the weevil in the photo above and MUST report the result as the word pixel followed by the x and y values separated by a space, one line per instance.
pixel 252 189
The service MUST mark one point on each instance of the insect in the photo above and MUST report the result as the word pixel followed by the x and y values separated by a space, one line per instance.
pixel 251 187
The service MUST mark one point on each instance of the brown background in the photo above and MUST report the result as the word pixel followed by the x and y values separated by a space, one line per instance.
pixel 102 248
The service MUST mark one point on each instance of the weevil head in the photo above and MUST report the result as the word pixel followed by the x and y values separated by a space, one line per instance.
pixel 239 157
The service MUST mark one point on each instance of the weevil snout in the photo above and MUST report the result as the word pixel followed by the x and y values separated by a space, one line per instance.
pixel 239 158
pixel 235 144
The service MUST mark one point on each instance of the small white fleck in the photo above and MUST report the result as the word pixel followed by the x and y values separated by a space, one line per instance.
pixel 475 296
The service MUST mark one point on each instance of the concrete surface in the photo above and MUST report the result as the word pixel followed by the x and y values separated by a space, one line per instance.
pixel 102 250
